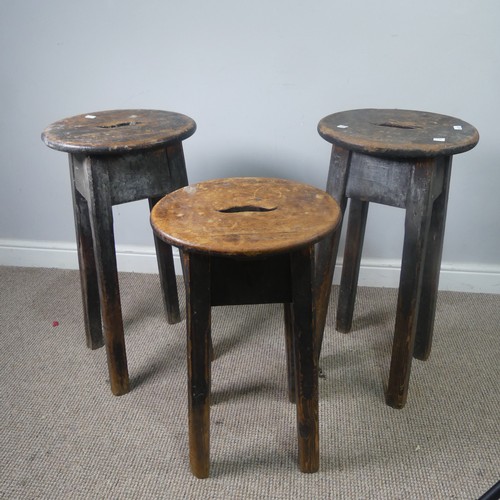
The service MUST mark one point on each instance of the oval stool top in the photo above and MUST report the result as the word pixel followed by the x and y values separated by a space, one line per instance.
pixel 245 216
pixel 118 131
pixel 398 133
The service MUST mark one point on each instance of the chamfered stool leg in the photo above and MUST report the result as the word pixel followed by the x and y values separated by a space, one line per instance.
pixel 177 174
pixel 305 357
pixel 101 220
pixel 87 266
pixel 430 279
pixel 168 279
pixel 327 249
pixel 358 213
pixel 197 278
pixel 417 222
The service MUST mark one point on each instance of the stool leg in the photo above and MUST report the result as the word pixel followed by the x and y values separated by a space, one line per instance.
pixel 327 249
pixel 168 279
pixel 430 280
pixel 197 269
pixel 358 213
pixel 178 178
pixel 101 218
pixel 290 360
pixel 418 214
pixel 306 361
pixel 86 264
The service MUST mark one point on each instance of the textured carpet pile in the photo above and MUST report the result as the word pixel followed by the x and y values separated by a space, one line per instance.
pixel 63 434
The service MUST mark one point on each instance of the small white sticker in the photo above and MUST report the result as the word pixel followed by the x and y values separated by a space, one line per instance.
pixel 439 139
pixel 342 126
pixel 91 117
pixel 457 127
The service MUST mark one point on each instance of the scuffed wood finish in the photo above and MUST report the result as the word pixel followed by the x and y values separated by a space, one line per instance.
pixel 197 276
pixel 327 249
pixel 118 157
pixel 118 131
pixel 398 133
pixel 101 219
pixel 87 264
pixel 432 264
pixel 245 216
pixel 305 358
pixel 247 262
pixel 403 159
pixel 358 213
pixel 418 216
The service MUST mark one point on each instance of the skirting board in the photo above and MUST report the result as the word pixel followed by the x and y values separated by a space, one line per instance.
pixel 457 277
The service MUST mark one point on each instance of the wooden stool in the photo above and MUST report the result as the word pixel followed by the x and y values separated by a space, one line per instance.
pixel 249 241
pixel 402 159
pixel 117 157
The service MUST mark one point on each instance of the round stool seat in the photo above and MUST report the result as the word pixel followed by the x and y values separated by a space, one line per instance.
pixel 245 216
pixel 398 133
pixel 118 131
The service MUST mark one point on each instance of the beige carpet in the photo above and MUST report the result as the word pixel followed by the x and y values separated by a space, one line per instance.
pixel 63 435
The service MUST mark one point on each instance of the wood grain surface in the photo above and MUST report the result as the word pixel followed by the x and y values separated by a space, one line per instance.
pixel 398 133
pixel 118 131
pixel 245 216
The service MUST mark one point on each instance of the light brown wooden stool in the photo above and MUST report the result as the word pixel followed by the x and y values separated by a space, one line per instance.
pixel 249 241
pixel 403 159
pixel 117 157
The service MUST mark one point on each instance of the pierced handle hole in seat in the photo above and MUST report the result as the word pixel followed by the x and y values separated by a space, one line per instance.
pixel 403 125
pixel 246 208
pixel 117 125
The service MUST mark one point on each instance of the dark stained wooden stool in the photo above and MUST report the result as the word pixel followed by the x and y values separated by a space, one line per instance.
pixel 117 157
pixel 249 241
pixel 403 159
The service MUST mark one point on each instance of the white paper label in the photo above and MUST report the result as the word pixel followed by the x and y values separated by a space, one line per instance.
pixel 439 139
pixel 457 127
pixel 91 117
pixel 342 126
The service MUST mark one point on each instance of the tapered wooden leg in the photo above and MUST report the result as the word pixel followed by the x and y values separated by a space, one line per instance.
pixel 358 213
pixel 86 263
pixel 290 360
pixel 430 279
pixel 197 275
pixel 168 279
pixel 306 363
pixel 327 248
pixel 101 219
pixel 418 213
pixel 178 178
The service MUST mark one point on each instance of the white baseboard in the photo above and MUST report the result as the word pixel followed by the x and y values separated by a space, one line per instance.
pixel 458 277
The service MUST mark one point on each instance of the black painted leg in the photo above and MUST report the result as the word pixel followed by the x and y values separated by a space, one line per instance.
pixel 327 248
pixel 306 361
pixel 290 361
pixel 168 279
pixel 418 214
pixel 101 218
pixel 430 280
pixel 358 213
pixel 197 276
pixel 86 264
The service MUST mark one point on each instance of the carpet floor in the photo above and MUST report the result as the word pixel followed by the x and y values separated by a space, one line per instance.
pixel 63 434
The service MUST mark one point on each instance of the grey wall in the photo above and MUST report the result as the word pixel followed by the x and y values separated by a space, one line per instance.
pixel 257 77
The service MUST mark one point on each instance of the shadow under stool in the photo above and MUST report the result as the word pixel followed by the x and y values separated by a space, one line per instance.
pixel 249 241
pixel 117 157
pixel 403 159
